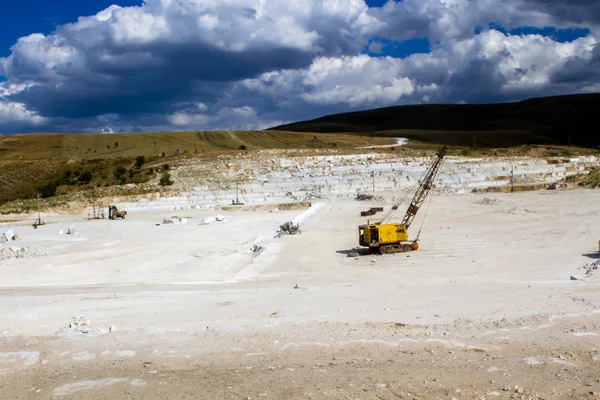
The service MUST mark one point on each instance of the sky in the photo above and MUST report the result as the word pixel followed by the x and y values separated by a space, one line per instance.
pixel 168 65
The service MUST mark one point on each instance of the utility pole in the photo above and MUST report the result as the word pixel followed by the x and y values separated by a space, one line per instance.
pixel 93 204
pixel 237 198
pixel 39 220
pixel 512 178
pixel 373 176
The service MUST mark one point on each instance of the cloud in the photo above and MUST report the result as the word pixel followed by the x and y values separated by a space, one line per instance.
pixel 140 60
pixel 207 64
pixel 583 12
pixel 457 19
pixel 357 81
pixel 580 72
pixel 375 47
pixel 15 114
pixel 489 67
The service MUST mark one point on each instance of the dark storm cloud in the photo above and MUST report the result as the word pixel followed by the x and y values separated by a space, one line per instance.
pixel 142 60
pixel 578 70
pixel 574 11
pixel 176 73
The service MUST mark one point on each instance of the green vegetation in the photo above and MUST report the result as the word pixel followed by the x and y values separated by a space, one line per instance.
pixel 165 179
pixel 47 190
pixel 119 173
pixel 139 161
pixel 72 162
pixel 591 180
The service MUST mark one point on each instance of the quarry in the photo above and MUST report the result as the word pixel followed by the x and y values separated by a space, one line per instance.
pixel 271 177
pixel 195 295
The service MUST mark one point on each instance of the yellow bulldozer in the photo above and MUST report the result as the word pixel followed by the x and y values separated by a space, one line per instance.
pixel 382 237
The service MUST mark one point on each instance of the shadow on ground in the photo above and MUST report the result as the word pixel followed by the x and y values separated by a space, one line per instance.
pixel 354 252
pixel 594 255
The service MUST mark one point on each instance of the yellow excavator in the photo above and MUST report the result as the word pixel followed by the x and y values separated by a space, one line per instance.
pixel 383 238
pixel 114 212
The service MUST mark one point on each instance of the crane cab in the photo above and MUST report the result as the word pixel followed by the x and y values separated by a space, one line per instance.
pixel 377 235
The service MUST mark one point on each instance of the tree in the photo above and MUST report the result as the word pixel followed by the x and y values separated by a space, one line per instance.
pixel 165 179
pixel 139 161
pixel 116 144
pixel 48 190
pixel 119 173
pixel 242 147
pixel 166 167
pixel 85 177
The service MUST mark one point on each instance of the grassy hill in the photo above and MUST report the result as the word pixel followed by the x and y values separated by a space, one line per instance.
pixel 75 162
pixel 554 120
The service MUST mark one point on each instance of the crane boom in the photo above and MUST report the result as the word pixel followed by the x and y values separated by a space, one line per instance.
pixel 424 188
pixel 382 238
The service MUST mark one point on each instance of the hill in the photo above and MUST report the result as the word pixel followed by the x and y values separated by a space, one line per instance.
pixel 548 120
pixel 64 163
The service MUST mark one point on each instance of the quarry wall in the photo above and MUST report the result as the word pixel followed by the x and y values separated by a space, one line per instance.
pixel 271 180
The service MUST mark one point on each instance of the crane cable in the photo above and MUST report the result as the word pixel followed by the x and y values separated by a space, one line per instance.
pixel 410 190
pixel 424 217
pixel 399 202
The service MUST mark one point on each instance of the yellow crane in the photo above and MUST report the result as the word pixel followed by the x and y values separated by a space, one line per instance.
pixel 382 237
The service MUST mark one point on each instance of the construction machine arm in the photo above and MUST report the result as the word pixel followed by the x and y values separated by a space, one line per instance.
pixel 424 188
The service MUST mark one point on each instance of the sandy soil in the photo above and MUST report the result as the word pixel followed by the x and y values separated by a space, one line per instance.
pixel 486 308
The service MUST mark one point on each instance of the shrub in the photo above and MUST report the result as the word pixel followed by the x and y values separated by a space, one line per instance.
pixel 166 167
pixel 85 177
pixel 119 172
pixel 165 179
pixel 139 161
pixel 150 171
pixel 48 190
pixel 242 147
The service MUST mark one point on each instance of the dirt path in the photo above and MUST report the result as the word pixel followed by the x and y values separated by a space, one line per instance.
pixel 543 357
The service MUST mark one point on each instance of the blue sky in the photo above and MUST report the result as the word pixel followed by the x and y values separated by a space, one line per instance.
pixel 247 64
pixel 24 17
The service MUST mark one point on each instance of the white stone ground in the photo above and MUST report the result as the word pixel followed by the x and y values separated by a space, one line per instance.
pixel 482 257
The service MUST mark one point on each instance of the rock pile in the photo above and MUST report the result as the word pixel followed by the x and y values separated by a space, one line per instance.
pixel 592 265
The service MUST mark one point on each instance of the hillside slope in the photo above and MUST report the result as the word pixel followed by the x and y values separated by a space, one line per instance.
pixel 30 162
pixel 537 121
